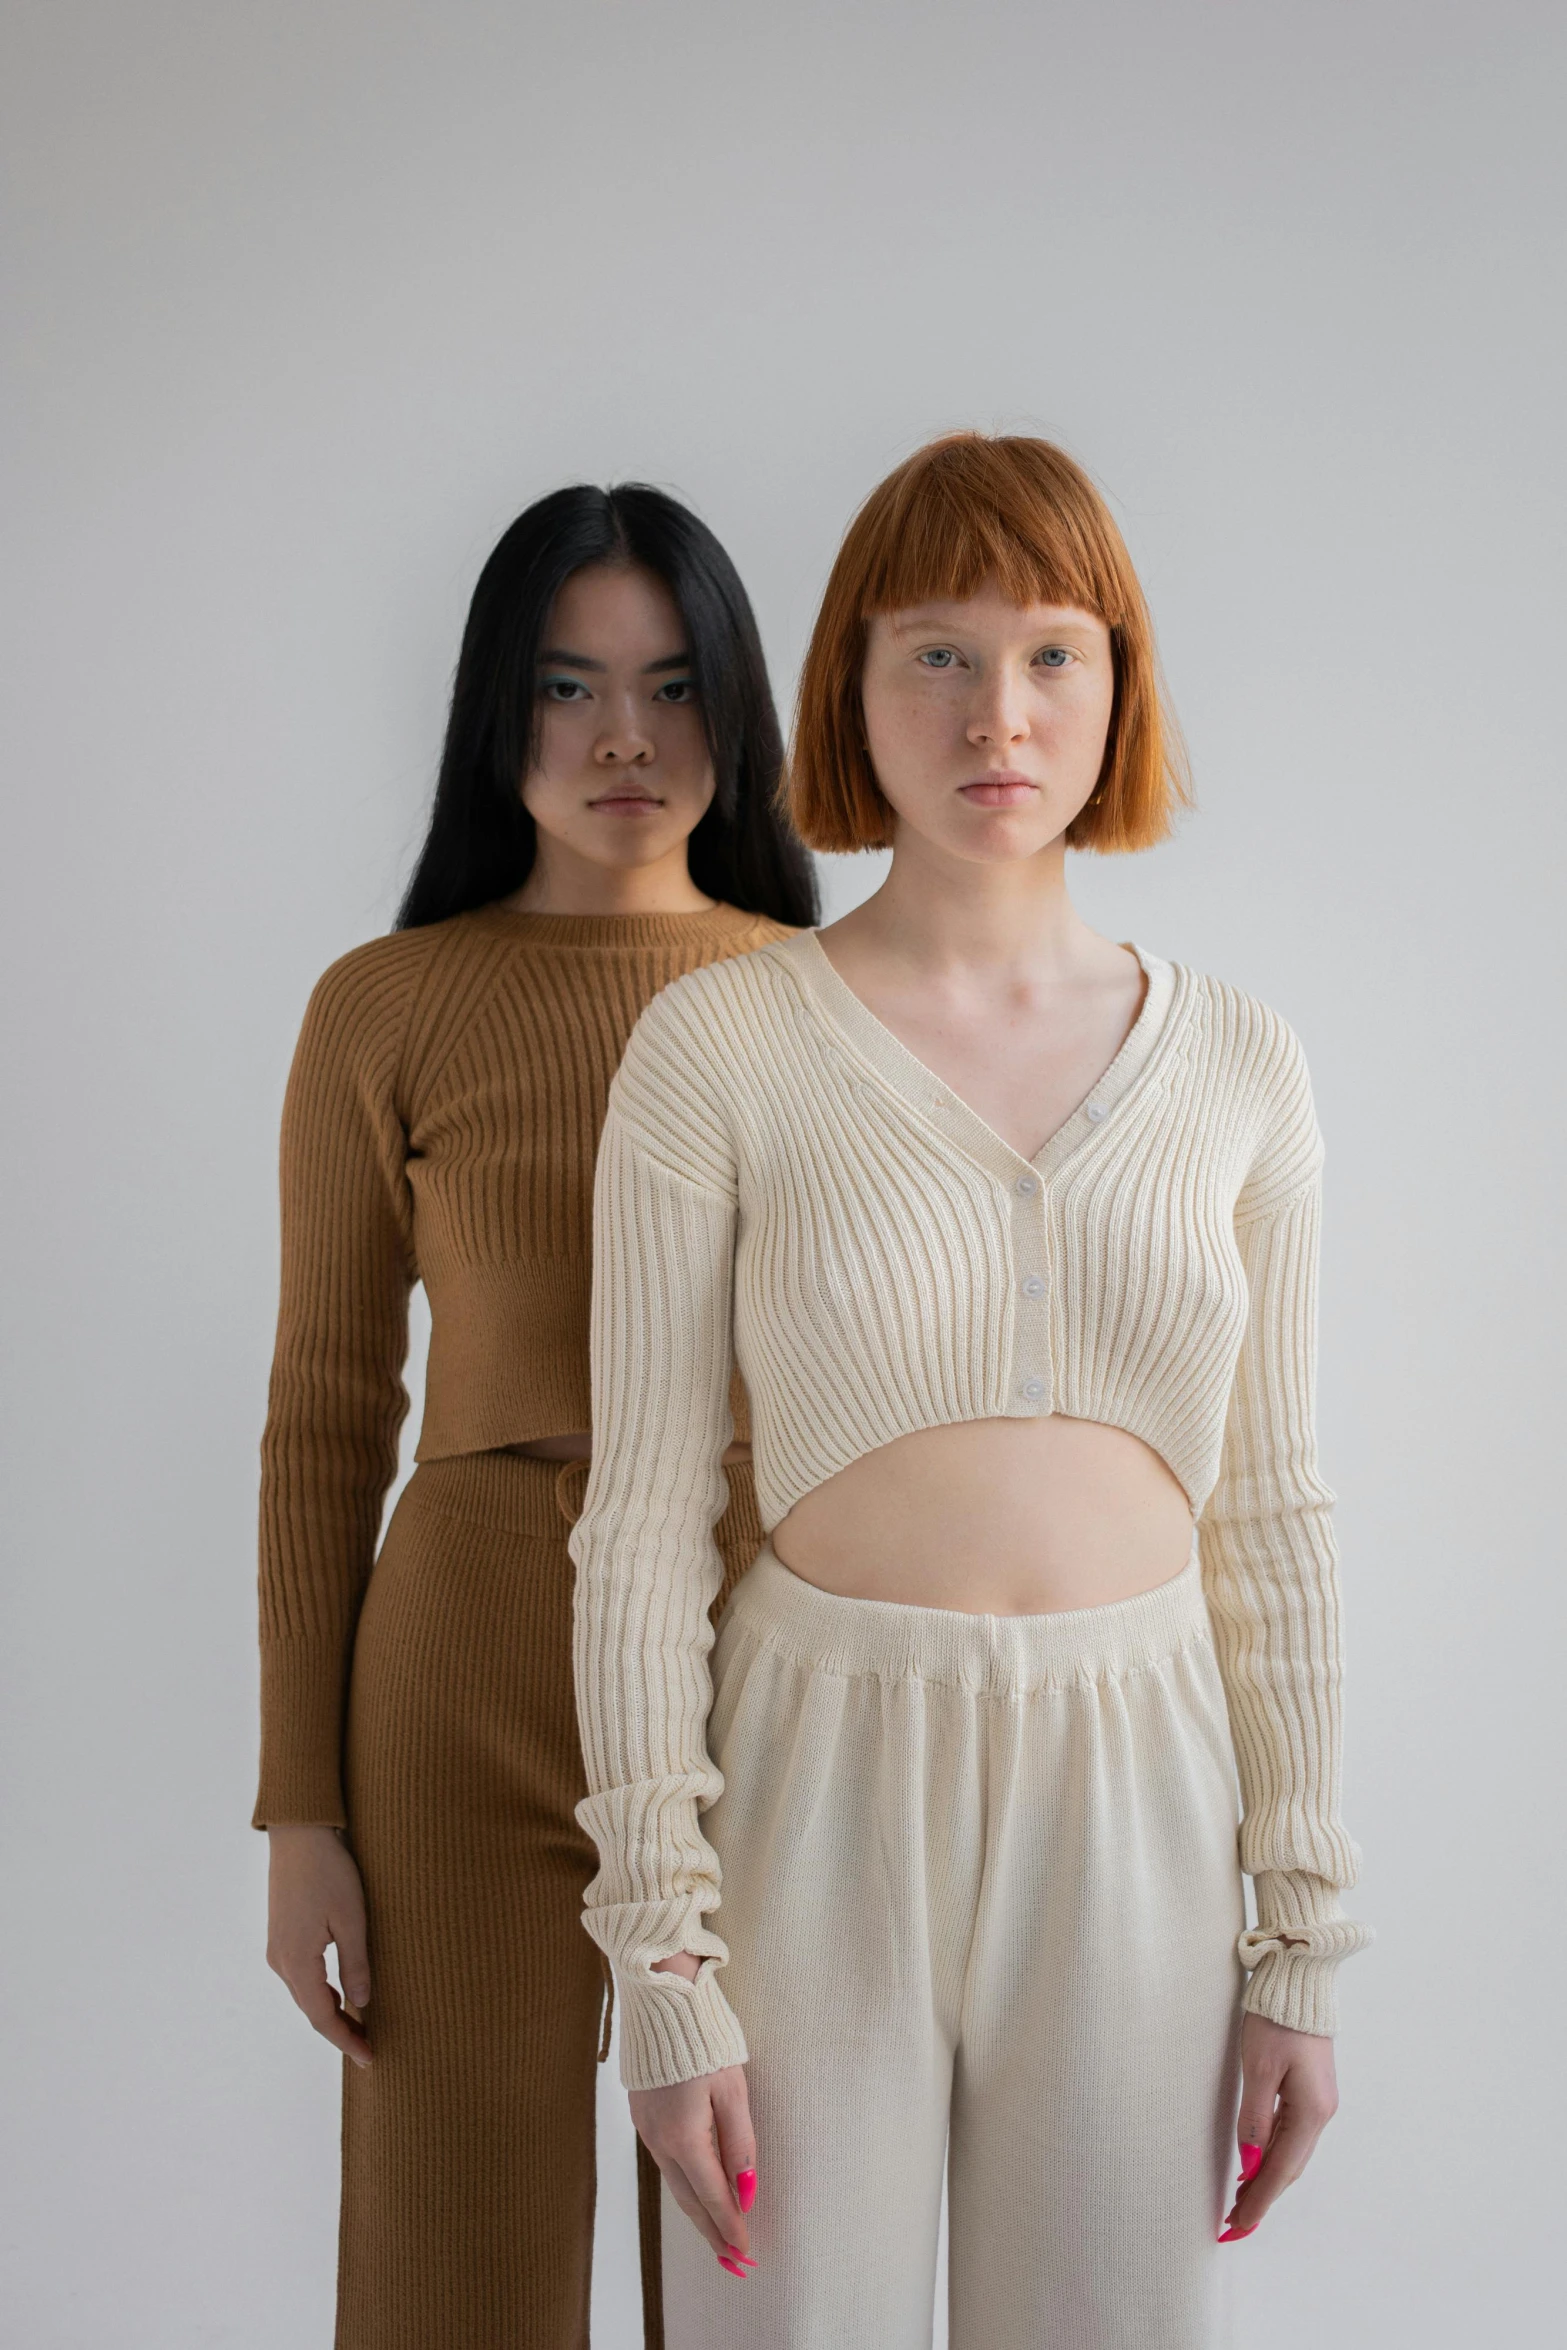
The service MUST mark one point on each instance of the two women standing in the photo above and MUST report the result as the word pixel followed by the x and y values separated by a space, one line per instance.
pixel 1005 1236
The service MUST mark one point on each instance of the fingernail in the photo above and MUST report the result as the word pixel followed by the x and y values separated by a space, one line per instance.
pixel 735 2253
pixel 1251 2160
pixel 1233 2235
pixel 733 2266
pixel 745 2188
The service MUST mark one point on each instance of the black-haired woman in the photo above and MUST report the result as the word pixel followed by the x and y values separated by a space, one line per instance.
pixel 605 820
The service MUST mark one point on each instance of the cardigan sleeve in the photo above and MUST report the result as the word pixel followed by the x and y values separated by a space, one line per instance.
pixel 1270 1573
pixel 648 1566
pixel 336 1398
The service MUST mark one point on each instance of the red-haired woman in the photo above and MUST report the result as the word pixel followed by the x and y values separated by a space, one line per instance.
pixel 1012 1233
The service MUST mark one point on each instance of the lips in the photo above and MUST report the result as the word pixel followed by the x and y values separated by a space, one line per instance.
pixel 626 799
pixel 1006 789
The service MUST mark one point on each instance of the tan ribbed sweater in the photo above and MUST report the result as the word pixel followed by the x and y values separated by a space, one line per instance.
pixel 783 1184
pixel 440 1124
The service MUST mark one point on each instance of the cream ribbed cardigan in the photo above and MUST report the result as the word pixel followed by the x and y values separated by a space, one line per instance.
pixel 782 1183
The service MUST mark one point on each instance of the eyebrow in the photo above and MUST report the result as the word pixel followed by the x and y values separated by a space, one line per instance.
pixel 651 669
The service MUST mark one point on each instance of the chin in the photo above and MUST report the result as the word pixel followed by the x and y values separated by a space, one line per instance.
pixel 1001 840
pixel 624 855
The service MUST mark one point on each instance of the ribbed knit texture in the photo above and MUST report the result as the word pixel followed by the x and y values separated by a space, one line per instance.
pixel 783 1185
pixel 468 2172
pixel 440 1124
pixel 468 2143
pixel 982 1898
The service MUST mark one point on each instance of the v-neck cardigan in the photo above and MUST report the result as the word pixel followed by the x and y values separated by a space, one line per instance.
pixel 783 1186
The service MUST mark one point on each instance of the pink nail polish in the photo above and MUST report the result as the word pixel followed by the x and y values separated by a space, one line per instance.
pixel 733 2266
pixel 735 2253
pixel 745 2188
pixel 1234 2235
pixel 1251 2160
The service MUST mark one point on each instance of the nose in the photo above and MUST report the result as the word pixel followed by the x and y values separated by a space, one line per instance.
pixel 999 717
pixel 625 741
pixel 624 748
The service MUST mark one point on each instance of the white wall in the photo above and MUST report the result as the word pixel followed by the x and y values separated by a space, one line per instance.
pixel 306 301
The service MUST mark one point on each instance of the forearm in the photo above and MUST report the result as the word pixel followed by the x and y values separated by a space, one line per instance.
pixel 1270 1572
pixel 321 1506
pixel 336 1403
pixel 648 1569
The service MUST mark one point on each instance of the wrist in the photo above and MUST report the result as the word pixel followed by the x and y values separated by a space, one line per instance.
pixel 1294 1951
pixel 672 2027
pixel 680 1962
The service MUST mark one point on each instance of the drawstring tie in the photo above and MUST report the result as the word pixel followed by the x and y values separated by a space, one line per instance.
pixel 609 2006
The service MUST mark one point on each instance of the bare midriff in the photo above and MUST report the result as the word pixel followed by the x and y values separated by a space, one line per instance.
pixel 994 1517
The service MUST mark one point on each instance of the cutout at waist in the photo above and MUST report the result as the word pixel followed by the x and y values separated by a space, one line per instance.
pixel 994 1517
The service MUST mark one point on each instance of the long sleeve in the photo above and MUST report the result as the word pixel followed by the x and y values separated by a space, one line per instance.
pixel 336 1398
pixel 648 1567
pixel 1270 1572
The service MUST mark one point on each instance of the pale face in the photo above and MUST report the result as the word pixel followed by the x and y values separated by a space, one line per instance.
pixel 623 773
pixel 987 722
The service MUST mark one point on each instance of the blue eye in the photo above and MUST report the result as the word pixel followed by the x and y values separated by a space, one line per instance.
pixel 1054 656
pixel 939 657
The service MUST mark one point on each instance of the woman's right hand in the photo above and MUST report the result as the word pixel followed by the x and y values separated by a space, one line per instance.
pixel 314 1897
pixel 699 2133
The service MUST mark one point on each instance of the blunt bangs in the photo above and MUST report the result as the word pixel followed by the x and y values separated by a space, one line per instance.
pixel 980 512
pixel 962 513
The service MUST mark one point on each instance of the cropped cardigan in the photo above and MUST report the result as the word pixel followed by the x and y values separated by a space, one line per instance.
pixel 783 1186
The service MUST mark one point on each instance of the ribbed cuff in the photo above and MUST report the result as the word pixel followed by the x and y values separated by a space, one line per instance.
pixel 1291 1987
pixel 1294 1951
pixel 301 1738
pixel 672 2030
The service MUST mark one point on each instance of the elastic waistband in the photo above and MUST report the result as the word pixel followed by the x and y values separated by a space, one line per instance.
pixel 1005 1655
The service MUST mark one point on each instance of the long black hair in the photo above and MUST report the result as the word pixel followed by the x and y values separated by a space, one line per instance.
pixel 482 840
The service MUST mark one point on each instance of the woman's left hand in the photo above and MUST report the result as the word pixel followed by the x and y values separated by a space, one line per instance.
pixel 1289 2094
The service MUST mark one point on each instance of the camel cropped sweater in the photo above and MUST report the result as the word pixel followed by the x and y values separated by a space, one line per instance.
pixel 783 1186
pixel 440 1124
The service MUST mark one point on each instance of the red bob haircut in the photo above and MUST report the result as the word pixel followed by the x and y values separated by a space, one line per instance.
pixel 965 511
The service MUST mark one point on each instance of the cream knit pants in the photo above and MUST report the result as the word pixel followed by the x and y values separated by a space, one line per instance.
pixel 981 1896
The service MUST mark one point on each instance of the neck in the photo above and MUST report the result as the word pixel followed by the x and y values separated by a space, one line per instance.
pixel 936 911
pixel 562 882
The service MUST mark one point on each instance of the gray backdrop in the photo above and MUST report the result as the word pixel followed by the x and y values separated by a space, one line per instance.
pixel 307 298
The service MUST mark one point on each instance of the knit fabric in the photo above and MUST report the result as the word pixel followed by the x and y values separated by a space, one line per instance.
pixel 441 1121
pixel 782 1185
pixel 468 2170
pixel 1039 2000
pixel 440 1124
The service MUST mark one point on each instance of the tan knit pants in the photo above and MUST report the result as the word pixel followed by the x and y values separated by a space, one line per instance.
pixel 981 1895
pixel 468 2155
